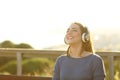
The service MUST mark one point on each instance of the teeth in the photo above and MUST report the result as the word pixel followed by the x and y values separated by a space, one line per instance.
pixel 70 37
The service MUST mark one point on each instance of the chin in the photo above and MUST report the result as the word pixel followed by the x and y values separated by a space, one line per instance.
pixel 70 43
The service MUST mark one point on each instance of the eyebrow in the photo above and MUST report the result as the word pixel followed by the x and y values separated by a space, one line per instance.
pixel 71 28
pixel 74 28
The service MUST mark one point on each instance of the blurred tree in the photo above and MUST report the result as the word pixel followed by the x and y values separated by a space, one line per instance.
pixel 23 45
pixel 32 66
pixel 7 44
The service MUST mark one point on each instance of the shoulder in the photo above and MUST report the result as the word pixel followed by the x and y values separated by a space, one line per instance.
pixel 61 57
pixel 97 59
pixel 96 56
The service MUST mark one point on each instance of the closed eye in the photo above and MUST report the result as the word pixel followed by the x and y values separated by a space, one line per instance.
pixel 72 30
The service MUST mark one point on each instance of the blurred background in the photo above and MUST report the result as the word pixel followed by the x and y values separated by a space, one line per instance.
pixel 42 24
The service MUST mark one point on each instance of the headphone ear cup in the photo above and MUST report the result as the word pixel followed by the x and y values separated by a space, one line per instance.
pixel 85 37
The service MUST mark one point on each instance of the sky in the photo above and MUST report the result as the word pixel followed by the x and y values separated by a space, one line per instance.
pixel 43 23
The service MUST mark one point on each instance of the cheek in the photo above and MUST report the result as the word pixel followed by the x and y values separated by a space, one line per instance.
pixel 65 36
pixel 78 37
pixel 65 39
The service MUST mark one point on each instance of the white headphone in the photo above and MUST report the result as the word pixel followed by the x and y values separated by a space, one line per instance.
pixel 85 37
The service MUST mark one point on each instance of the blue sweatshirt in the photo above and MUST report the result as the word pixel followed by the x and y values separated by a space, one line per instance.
pixel 86 68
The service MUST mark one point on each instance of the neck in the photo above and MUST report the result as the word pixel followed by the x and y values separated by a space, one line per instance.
pixel 75 50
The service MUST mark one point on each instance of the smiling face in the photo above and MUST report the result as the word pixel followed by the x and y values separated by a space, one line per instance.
pixel 73 34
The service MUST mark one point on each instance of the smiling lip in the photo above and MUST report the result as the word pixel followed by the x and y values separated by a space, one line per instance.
pixel 70 37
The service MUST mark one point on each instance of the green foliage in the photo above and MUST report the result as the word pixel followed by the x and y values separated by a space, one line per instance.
pixel 4 60
pixel 9 44
pixel 36 66
pixel 9 67
pixel 116 70
pixel 33 66
pixel 23 45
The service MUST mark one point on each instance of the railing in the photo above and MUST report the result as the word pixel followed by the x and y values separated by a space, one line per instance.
pixel 13 77
pixel 19 53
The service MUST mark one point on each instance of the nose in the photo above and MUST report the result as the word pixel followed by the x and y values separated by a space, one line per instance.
pixel 69 32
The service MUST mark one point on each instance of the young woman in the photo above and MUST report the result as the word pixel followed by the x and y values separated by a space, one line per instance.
pixel 80 62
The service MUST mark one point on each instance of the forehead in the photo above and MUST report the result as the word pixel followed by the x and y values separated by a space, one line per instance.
pixel 74 26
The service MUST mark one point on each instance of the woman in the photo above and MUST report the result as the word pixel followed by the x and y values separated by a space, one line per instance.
pixel 79 63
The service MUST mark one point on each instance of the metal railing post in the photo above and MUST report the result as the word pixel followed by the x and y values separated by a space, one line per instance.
pixel 19 63
pixel 111 67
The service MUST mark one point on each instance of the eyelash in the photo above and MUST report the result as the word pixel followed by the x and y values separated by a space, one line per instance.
pixel 74 30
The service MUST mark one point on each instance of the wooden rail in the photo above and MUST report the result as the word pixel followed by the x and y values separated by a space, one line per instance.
pixel 20 53
pixel 13 77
